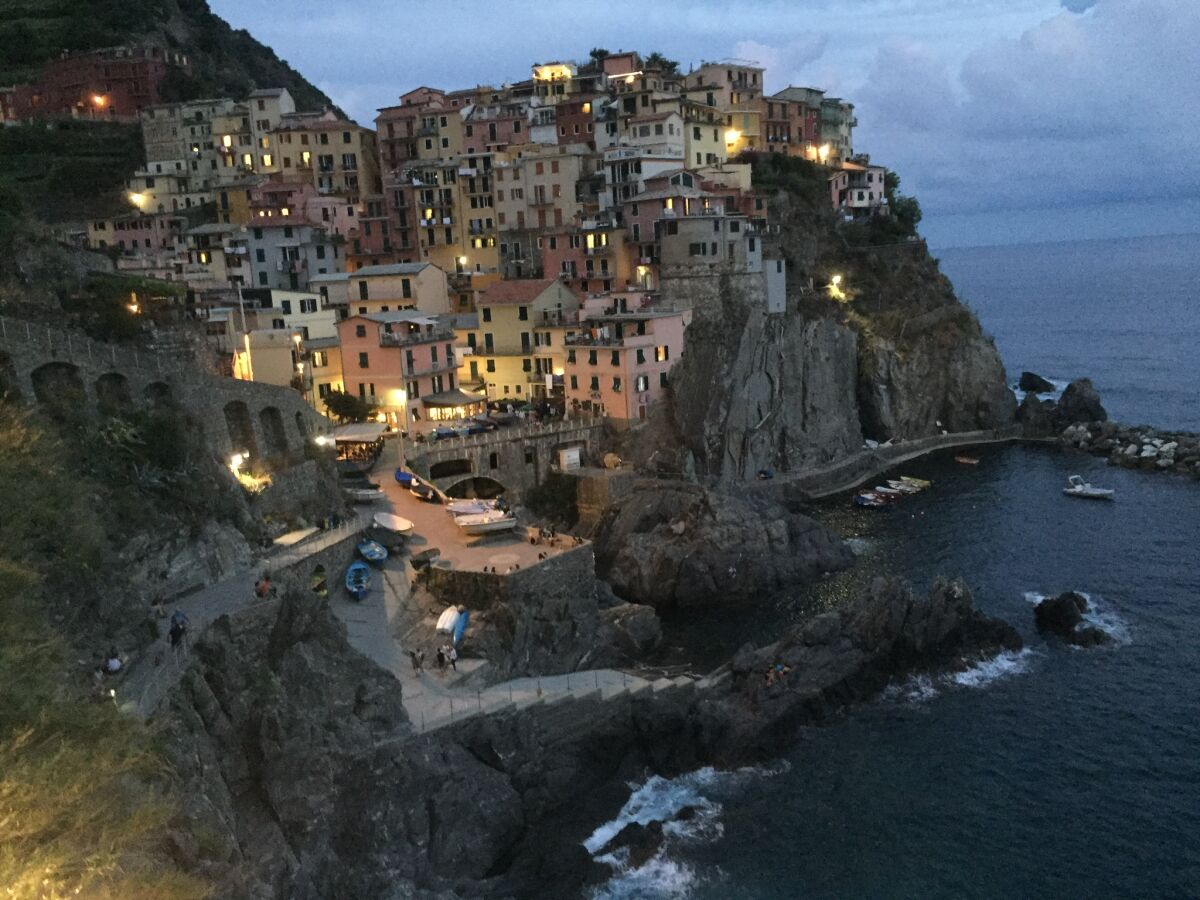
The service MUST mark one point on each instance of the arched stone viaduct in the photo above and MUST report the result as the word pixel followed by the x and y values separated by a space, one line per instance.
pixel 516 458
pixel 59 368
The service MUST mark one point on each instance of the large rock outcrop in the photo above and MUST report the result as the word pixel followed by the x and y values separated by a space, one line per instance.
pixel 1080 402
pixel 671 543
pixel 766 392
pixel 303 779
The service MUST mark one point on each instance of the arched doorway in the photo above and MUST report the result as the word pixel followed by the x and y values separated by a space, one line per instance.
pixel 480 487
pixel 112 393
pixel 158 393
pixel 448 467
pixel 9 386
pixel 241 428
pixel 58 387
pixel 271 421
pixel 302 426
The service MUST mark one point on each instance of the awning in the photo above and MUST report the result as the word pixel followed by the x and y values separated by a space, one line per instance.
pixel 452 398
pixel 362 433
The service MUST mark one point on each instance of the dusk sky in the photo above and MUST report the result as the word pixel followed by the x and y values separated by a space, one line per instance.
pixel 1011 120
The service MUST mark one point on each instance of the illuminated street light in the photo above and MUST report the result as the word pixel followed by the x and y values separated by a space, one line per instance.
pixel 732 136
pixel 138 200
pixel 99 101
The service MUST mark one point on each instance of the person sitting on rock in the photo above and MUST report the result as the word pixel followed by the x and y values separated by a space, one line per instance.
pixel 262 587
pixel 112 662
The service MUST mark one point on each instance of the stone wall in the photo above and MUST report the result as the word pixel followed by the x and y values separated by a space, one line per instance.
pixel 597 489
pixel 570 570
pixel 307 491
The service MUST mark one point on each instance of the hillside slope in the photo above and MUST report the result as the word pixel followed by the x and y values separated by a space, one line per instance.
pixel 225 61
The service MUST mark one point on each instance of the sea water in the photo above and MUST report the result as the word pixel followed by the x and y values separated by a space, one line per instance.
pixel 1049 772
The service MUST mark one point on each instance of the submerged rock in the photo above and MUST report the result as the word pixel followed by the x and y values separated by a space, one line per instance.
pixel 642 841
pixel 1033 383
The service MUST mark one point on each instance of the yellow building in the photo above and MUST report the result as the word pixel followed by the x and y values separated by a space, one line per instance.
pixel 333 154
pixel 374 289
pixel 517 346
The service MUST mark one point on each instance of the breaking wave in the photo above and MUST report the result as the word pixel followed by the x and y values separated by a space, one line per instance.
pixel 1055 395
pixel 1002 665
pixel 662 799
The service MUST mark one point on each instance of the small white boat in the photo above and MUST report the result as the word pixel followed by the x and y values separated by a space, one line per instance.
pixel 916 482
pixel 891 491
pixel 448 619
pixel 394 524
pixel 1077 487
pixel 458 508
pixel 903 487
pixel 486 523
pixel 365 494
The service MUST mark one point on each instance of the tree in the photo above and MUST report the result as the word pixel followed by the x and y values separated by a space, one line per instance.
pixel 657 61
pixel 598 53
pixel 348 408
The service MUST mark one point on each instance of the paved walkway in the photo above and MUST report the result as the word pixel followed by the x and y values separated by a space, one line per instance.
pixel 147 682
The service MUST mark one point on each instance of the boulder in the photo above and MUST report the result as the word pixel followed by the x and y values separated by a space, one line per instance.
pixel 1036 416
pixel 1063 616
pixel 1035 384
pixel 637 630
pixel 642 841
pixel 1080 402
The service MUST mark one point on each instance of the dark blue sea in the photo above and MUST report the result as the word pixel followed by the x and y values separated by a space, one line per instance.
pixel 1055 772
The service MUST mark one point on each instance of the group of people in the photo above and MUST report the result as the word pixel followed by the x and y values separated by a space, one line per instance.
pixel 446 655
pixel 777 672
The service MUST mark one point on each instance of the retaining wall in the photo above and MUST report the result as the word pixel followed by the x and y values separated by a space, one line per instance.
pixel 559 574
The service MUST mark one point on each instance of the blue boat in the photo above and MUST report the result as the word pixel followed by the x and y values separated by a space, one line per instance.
pixel 460 626
pixel 405 479
pixel 372 551
pixel 358 580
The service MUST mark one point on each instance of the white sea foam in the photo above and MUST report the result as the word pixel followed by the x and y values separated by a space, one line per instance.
pixel 661 799
pixel 1002 665
pixel 916 689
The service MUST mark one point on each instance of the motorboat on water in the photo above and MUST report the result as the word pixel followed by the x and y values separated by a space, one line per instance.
pixel 903 487
pixel 916 482
pixel 888 491
pixel 873 500
pixel 491 522
pixel 967 460
pixel 1077 487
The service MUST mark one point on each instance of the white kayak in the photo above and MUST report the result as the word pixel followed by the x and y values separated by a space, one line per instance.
pixel 448 619
pixel 396 524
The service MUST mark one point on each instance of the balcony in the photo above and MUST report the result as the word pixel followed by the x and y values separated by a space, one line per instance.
pixel 403 339
pixel 433 369
pixel 602 250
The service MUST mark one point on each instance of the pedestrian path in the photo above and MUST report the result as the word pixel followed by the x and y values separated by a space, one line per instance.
pixel 160 668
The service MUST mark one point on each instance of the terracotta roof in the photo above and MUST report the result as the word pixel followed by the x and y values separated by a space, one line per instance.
pixel 522 290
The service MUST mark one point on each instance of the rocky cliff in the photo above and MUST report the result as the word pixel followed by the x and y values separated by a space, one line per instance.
pixel 671 543
pixel 892 354
pixel 302 778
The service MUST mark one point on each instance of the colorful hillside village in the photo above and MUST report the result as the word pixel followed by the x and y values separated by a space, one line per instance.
pixel 539 246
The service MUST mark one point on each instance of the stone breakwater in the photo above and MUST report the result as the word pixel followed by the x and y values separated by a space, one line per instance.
pixel 1137 446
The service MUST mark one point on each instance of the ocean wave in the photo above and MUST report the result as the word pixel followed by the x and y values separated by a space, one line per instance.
pixel 661 799
pixel 1002 665
pixel 918 689
pixel 1100 614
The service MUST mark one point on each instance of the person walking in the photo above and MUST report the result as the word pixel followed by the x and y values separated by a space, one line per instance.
pixel 412 655
pixel 420 660
pixel 453 656
pixel 177 636
pixel 441 657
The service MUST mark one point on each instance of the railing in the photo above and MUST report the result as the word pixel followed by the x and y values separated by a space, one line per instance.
pixel 579 423
pixel 395 339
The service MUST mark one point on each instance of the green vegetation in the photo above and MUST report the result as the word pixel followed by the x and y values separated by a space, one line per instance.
pixel 84 792
pixel 806 183
pixel 111 307
pixel 224 61
pixel 67 171
pixel 348 408
pixel 657 61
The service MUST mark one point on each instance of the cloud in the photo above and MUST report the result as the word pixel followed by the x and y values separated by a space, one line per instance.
pixel 1078 6
pixel 1076 111
pixel 785 63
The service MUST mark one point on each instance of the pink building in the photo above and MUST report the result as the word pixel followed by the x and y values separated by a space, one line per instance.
pixel 618 364
pixel 403 362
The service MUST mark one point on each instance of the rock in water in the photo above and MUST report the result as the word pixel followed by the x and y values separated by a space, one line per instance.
pixel 1060 615
pixel 1063 616
pixel 1033 383
pixel 1036 416
pixel 643 842
pixel 1080 403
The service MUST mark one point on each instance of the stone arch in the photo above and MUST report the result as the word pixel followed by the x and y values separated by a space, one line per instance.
pixel 271 421
pixel 112 393
pixel 478 486
pixel 449 467
pixel 302 426
pixel 58 387
pixel 240 427
pixel 10 387
pixel 158 393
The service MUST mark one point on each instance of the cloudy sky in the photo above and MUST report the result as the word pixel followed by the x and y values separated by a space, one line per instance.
pixel 1011 120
